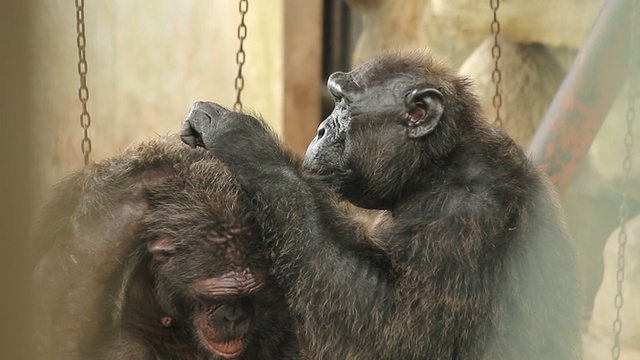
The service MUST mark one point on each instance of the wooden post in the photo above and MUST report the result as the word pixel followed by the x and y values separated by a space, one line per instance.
pixel 302 72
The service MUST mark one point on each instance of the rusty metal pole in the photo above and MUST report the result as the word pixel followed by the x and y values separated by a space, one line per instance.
pixel 585 96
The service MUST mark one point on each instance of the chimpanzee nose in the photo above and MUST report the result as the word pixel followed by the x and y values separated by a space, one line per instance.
pixel 236 312
pixel 321 131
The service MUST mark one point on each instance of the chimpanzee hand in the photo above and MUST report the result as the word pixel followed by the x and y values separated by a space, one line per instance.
pixel 208 122
pixel 241 141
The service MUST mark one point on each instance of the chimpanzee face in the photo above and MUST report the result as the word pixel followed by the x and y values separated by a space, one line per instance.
pixel 370 137
pixel 208 263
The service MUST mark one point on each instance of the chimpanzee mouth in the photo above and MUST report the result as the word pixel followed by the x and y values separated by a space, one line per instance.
pixel 226 349
pixel 226 346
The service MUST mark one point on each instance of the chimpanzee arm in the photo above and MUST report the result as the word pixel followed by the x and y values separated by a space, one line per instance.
pixel 311 243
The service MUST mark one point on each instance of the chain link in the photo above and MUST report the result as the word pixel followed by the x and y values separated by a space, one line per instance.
pixel 496 52
pixel 240 55
pixel 623 212
pixel 83 91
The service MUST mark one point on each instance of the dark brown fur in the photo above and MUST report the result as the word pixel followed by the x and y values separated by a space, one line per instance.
pixel 127 247
pixel 475 262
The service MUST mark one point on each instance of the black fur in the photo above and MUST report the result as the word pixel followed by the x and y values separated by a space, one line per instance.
pixel 475 262
pixel 126 242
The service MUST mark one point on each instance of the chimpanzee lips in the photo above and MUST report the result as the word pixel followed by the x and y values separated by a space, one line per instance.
pixel 226 349
pixel 226 346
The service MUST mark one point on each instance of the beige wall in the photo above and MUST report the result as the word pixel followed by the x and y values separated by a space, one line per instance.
pixel 148 61
pixel 16 190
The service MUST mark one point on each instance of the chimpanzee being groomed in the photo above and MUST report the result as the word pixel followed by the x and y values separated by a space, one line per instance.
pixel 154 254
pixel 475 262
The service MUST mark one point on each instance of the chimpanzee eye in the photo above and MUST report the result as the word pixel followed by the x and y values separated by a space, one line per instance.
pixel 162 249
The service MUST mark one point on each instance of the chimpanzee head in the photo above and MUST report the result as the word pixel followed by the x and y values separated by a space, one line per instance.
pixel 208 266
pixel 392 117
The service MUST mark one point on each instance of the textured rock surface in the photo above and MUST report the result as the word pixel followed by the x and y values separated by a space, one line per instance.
pixel 530 78
pixel 453 28
pixel 599 340
pixel 608 149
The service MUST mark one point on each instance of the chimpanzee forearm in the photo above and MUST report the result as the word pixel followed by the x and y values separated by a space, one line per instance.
pixel 315 265
pixel 310 242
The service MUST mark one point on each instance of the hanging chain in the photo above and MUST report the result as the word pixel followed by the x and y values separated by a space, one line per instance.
pixel 240 55
pixel 83 91
pixel 623 211
pixel 496 52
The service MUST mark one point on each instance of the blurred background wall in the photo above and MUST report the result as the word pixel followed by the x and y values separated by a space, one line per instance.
pixel 149 60
pixel 16 192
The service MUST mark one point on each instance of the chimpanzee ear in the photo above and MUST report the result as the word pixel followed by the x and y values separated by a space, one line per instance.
pixel 161 248
pixel 424 109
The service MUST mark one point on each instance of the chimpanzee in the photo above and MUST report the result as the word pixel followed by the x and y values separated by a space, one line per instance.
pixel 475 261
pixel 154 254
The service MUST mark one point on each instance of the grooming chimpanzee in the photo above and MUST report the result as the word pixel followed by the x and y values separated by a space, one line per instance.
pixel 475 262
pixel 154 254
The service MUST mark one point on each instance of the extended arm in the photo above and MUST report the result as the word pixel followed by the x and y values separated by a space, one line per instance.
pixel 313 246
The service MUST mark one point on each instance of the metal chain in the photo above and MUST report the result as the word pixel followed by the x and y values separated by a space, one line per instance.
pixel 623 211
pixel 83 91
pixel 496 52
pixel 240 55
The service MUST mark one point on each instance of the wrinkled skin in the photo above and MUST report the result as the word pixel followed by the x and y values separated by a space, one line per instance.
pixel 475 262
pixel 155 254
